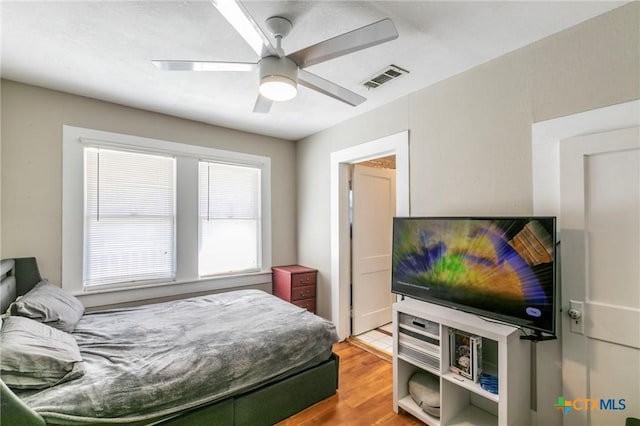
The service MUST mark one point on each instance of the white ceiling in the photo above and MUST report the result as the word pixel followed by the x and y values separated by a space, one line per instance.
pixel 103 49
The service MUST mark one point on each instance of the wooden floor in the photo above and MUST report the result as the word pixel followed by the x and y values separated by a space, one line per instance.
pixel 364 397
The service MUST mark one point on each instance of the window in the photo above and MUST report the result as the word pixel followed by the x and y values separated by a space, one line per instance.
pixel 129 217
pixel 145 218
pixel 229 218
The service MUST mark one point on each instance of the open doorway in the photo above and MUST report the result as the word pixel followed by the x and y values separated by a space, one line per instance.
pixel 372 208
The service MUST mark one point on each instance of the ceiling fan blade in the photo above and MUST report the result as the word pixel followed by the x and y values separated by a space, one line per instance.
pixel 367 36
pixel 328 88
pixel 262 104
pixel 203 66
pixel 240 19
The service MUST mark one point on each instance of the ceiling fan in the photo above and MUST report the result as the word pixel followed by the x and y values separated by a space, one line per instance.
pixel 280 73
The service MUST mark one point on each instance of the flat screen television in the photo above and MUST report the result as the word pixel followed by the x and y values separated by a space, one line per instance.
pixel 502 268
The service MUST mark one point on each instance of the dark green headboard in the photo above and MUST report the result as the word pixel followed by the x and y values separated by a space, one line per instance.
pixel 27 274
pixel 18 277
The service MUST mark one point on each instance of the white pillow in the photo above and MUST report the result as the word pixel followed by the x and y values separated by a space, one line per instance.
pixel 51 305
pixel 36 356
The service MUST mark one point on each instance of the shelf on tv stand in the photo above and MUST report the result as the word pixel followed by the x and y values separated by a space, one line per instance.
pixel 469 384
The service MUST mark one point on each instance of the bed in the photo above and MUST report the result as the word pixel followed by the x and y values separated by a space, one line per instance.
pixel 237 358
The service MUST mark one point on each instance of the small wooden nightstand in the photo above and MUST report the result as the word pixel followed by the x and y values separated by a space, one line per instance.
pixel 296 284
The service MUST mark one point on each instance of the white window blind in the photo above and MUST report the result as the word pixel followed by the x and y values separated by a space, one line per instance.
pixel 129 217
pixel 229 218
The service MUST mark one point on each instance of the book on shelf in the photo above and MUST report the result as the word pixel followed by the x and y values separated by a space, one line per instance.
pixel 465 354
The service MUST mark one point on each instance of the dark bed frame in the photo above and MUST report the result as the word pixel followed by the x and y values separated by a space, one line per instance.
pixel 265 405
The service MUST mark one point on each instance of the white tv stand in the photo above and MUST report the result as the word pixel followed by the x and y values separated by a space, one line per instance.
pixel 421 342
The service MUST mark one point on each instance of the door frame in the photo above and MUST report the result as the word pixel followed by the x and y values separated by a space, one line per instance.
pixel 396 144
pixel 546 139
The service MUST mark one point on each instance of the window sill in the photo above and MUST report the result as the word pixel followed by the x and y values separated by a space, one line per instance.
pixel 115 295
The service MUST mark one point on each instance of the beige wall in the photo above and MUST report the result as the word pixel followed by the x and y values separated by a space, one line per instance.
pixel 32 120
pixel 470 138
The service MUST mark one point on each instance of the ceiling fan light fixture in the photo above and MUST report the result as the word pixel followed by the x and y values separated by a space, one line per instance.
pixel 278 88
pixel 278 78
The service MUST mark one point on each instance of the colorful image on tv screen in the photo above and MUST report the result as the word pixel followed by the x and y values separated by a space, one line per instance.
pixel 502 266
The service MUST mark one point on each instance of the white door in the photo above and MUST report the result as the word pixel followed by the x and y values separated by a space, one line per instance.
pixel 600 262
pixel 374 205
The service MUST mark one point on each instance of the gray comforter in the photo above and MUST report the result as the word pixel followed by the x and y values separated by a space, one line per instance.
pixel 146 362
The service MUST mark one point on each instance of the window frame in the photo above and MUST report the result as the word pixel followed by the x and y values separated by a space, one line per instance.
pixel 187 159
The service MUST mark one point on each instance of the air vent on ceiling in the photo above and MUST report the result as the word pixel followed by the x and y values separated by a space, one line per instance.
pixel 389 73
